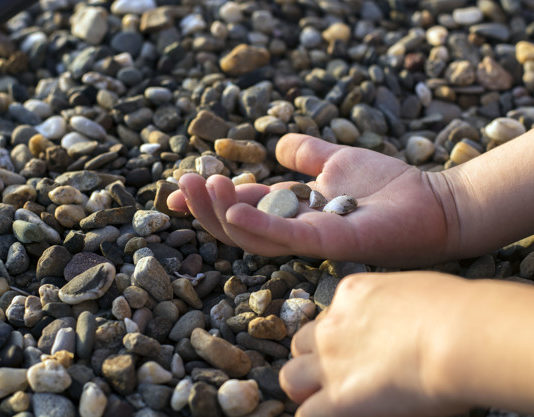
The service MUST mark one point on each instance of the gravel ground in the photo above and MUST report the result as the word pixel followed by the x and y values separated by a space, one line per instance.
pixel 113 305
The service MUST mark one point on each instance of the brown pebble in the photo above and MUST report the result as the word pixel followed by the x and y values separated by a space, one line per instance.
pixel 270 327
pixel 220 353
pixel 248 151
pixel 302 191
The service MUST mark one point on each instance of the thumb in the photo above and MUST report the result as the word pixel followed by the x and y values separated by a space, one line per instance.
pixel 304 153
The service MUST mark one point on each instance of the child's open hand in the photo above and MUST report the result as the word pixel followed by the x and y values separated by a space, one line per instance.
pixel 401 217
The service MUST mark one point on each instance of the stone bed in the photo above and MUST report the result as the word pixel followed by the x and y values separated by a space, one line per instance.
pixel 110 303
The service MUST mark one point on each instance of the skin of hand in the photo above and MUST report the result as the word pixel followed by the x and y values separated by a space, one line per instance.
pixel 376 350
pixel 415 344
pixel 405 217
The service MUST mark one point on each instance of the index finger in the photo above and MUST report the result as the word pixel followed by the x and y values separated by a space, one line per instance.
pixel 304 153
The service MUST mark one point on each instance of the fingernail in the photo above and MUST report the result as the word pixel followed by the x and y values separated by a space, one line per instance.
pixel 211 191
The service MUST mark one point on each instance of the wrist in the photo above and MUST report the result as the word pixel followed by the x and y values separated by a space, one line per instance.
pixel 479 353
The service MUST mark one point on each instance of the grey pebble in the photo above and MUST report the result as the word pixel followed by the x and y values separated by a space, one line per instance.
pixel 283 203
pixel 52 405
pixel 186 324
pixel 151 276
pixel 18 260
pixel 89 285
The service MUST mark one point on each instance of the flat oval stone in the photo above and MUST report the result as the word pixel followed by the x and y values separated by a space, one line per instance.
pixel 89 285
pixel 283 203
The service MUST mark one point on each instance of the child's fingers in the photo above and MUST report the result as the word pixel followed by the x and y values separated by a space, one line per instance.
pixel 223 196
pixel 317 405
pixel 198 201
pixel 246 193
pixel 304 340
pixel 304 153
pixel 176 202
pixel 312 233
pixel 301 377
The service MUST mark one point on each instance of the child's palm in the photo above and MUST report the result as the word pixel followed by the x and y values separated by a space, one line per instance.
pixel 399 221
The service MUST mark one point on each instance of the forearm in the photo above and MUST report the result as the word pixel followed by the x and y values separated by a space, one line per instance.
pixel 487 343
pixel 493 196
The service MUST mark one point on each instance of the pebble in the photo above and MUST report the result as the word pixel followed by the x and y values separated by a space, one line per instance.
pixel 346 132
pixel 220 353
pixel 243 59
pixel 153 373
pixel 181 394
pixel 89 285
pixel 150 275
pixel 12 380
pixel 92 24
pixel 283 203
pixel 504 129
pixel 296 312
pixel 48 376
pixel 135 7
pixel 183 289
pixel 524 51
pixel 270 327
pixel 238 398
pixel 467 16
pixel 93 401
pixel 419 150
pixel 247 151
pixel 208 125
pixel 463 152
pixel 493 76
pixel 87 127
pixel 17 260
pixel 66 194
pixel 186 324
pixel 85 334
pixel 342 204
pixel 65 340
pixel 52 405
pixel 146 222
pixel 52 128
pixel 203 400
pixel 119 371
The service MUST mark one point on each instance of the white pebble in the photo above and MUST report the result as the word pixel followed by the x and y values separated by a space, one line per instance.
pixel 260 300
pixel 48 376
pixel 130 325
pixel 177 366
pixel 72 138
pixel 230 12
pixel 150 148
pixel 238 398
pixel 424 93
pixel 153 373
pixel 93 401
pixel 419 150
pixel 437 35
pixel 192 23
pixel 132 6
pixel 207 165
pixel 181 393
pixel 296 312
pixel 99 200
pixel 244 178
pixel 52 128
pixel 65 194
pixel 146 222
pixel 343 204
pixel 40 108
pixel 503 129
pixel 467 16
